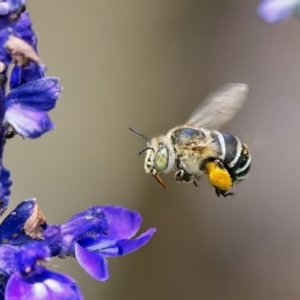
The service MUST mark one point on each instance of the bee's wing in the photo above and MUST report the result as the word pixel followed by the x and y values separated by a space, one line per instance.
pixel 219 107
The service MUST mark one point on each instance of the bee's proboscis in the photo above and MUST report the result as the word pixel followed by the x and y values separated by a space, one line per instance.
pixel 159 180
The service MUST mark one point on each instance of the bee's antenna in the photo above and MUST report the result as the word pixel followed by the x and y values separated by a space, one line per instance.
pixel 147 148
pixel 140 134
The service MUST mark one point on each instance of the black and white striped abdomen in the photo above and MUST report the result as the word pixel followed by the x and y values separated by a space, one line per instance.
pixel 234 155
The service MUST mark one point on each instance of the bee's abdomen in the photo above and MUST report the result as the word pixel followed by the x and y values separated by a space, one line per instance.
pixel 234 155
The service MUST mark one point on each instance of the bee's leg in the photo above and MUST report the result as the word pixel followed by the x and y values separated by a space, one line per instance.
pixel 179 175
pixel 223 193
pixel 182 176
pixel 194 181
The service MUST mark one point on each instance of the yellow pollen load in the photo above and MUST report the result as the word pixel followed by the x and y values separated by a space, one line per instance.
pixel 218 178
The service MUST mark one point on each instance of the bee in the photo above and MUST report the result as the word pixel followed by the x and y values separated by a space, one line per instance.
pixel 198 148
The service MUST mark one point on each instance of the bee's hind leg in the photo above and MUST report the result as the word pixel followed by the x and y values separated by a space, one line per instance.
pixel 224 194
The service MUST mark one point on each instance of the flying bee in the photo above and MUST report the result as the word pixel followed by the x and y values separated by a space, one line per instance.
pixel 197 147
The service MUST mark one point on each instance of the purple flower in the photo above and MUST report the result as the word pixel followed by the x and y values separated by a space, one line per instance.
pixel 42 284
pixel 26 106
pixel 91 249
pixel 26 240
pixel 33 70
pixel 13 48
pixel 32 281
pixel 91 236
pixel 32 94
pixel 12 227
pixel 22 250
pixel 21 75
pixel 274 11
pixel 61 238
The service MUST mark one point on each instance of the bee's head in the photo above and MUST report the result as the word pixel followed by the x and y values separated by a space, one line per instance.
pixel 160 155
pixel 157 156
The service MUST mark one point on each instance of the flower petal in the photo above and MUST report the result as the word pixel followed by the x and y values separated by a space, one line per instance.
pixel 28 122
pixel 90 222
pixel 42 284
pixel 4 8
pixel 123 222
pixel 21 51
pixel 37 94
pixel 273 11
pixel 15 5
pixel 7 259
pixel 128 246
pixel 23 27
pixel 92 262
pixel 53 238
pixel 22 75
pixel 121 247
pixel 11 229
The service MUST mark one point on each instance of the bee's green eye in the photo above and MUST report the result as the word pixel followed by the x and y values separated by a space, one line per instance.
pixel 161 159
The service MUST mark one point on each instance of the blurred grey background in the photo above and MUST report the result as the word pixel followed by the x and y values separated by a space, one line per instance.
pixel 147 64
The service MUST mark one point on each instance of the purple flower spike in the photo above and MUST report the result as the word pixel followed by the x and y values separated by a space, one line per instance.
pixel 26 240
pixel 274 11
pixel 26 106
pixel 30 281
